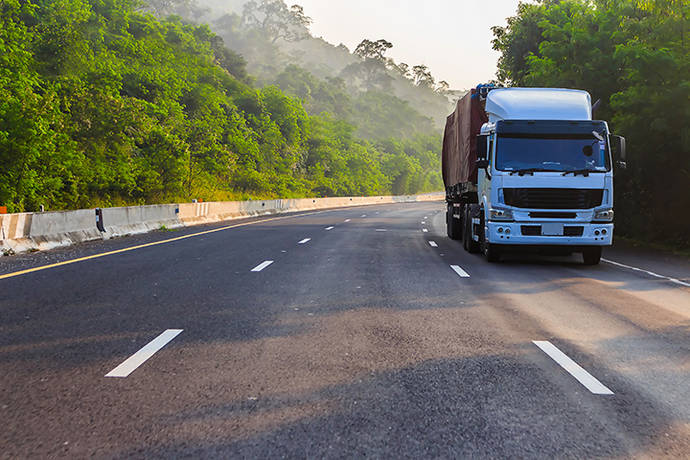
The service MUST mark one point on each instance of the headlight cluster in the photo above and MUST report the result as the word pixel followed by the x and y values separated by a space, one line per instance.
pixel 604 215
pixel 500 214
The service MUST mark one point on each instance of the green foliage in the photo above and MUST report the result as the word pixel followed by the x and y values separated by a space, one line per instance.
pixel 103 104
pixel 635 57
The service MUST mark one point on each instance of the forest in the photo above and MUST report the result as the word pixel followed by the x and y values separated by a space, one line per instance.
pixel 118 102
pixel 633 56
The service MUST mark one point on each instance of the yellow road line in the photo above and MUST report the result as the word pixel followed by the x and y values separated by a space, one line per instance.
pixel 141 246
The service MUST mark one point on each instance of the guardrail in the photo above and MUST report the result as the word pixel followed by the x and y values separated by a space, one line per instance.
pixel 47 230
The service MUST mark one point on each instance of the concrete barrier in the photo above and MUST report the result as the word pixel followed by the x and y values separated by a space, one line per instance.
pixel 14 232
pixel 140 219
pixel 47 230
pixel 216 211
pixel 62 228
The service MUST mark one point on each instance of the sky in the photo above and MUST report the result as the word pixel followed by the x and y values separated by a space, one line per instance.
pixel 451 37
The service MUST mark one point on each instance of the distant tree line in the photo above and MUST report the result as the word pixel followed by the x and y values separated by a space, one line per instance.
pixel 373 69
pixel 276 39
pixel 104 104
pixel 634 56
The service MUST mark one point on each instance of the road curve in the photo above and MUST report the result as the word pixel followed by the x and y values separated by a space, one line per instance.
pixel 343 333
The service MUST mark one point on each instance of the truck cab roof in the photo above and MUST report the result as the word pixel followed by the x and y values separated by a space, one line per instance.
pixel 538 104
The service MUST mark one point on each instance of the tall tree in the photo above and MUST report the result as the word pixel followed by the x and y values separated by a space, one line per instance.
pixel 278 21
pixel 422 76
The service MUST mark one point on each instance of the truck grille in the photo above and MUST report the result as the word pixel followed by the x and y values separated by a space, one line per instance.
pixel 553 198
pixel 535 230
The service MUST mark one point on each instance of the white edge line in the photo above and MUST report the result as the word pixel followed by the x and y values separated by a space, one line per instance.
pixel 137 359
pixel 262 265
pixel 462 273
pixel 574 369
pixel 433 244
pixel 306 240
pixel 656 275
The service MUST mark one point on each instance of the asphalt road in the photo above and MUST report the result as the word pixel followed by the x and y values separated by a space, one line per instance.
pixel 361 342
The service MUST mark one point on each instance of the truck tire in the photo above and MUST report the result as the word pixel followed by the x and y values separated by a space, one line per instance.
pixel 592 255
pixel 453 227
pixel 492 252
pixel 448 215
pixel 468 242
pixel 465 234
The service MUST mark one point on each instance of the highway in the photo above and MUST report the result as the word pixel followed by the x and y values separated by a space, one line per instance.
pixel 355 332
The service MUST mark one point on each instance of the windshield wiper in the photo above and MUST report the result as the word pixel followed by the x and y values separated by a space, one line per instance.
pixel 531 171
pixel 585 172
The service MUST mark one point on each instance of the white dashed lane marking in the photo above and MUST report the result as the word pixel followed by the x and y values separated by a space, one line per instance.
pixel 306 240
pixel 364 215
pixel 656 275
pixel 330 228
pixel 138 358
pixel 574 369
pixel 381 230
pixel 262 265
pixel 347 220
pixel 433 244
pixel 461 273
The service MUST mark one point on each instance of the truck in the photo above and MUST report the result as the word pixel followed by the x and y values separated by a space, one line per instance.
pixel 528 169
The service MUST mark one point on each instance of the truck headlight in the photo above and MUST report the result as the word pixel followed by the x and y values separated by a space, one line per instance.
pixel 500 214
pixel 604 215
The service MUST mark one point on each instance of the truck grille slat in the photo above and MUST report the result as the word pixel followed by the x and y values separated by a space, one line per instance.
pixel 553 198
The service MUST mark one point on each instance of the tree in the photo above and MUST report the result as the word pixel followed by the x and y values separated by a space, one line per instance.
pixel 368 49
pixel 634 56
pixel 185 8
pixel 404 70
pixel 443 87
pixel 276 20
pixel 422 76
pixel 371 72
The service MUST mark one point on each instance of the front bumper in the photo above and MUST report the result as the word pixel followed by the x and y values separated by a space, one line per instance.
pixel 498 234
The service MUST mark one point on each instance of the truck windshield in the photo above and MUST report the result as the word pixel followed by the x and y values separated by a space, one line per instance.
pixel 552 153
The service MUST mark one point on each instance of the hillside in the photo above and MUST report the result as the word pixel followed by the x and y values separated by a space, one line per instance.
pixel 105 104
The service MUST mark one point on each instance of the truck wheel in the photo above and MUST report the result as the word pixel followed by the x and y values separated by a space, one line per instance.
pixel 453 225
pixel 492 252
pixel 448 217
pixel 592 256
pixel 465 233
pixel 468 242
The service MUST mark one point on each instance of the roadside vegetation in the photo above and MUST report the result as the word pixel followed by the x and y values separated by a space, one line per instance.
pixel 634 56
pixel 116 102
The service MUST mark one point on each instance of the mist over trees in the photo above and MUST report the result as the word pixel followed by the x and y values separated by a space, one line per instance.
pixel 364 69
pixel 635 57
pixel 105 104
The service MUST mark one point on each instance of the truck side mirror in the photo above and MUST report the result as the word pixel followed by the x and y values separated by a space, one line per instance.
pixel 619 149
pixel 481 146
